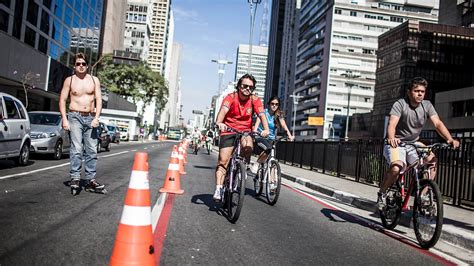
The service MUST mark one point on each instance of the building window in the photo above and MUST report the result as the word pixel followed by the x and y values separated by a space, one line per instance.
pixel 43 44
pixel 30 36
pixel 353 14
pixel 338 11
pixel 32 15
pixel 4 17
pixel 44 22
pixel 463 108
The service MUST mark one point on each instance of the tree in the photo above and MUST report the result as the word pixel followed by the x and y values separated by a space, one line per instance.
pixel 137 82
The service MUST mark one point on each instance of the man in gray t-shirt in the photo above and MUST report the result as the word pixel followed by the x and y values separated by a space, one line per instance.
pixel 407 118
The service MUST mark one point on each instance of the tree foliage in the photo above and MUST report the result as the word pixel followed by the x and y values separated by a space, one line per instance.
pixel 137 82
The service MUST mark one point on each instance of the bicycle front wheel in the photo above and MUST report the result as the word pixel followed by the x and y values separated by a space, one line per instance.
pixel 257 182
pixel 428 214
pixel 236 192
pixel 273 182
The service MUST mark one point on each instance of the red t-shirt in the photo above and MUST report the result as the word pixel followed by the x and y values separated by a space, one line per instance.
pixel 240 113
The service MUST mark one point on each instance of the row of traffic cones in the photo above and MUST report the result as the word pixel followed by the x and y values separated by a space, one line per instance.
pixel 134 240
pixel 162 137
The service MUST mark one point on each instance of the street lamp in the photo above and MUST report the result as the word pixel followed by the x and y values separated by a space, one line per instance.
pixel 295 102
pixel 221 71
pixel 253 11
pixel 350 76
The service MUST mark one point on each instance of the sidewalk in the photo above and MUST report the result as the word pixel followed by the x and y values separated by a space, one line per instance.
pixel 458 225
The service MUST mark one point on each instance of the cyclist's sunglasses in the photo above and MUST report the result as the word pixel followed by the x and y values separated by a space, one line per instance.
pixel 245 86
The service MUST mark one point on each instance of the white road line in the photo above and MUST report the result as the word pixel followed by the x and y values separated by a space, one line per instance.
pixel 134 150
pixel 146 148
pixel 52 167
pixel 156 211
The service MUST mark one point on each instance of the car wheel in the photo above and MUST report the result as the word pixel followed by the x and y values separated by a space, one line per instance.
pixel 99 149
pixel 58 150
pixel 24 155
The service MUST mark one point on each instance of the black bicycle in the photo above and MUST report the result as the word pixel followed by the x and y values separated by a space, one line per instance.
pixel 269 174
pixel 427 205
pixel 234 181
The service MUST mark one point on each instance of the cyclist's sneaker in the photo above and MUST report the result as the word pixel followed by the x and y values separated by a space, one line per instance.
pixel 425 200
pixel 93 184
pixel 254 168
pixel 217 194
pixel 74 183
pixel 381 198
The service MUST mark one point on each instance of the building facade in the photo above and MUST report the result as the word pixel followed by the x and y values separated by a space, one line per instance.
pixel 258 65
pixel 39 40
pixel 137 28
pixel 457 13
pixel 113 29
pixel 159 34
pixel 340 37
pixel 442 54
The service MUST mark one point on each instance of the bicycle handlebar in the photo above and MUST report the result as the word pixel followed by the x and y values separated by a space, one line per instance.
pixel 425 150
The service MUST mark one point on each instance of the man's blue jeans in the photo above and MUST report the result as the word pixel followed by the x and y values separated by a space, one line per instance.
pixel 83 141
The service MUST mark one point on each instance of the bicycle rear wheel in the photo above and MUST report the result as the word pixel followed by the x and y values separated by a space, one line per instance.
pixel 428 214
pixel 236 193
pixel 390 216
pixel 273 182
pixel 257 182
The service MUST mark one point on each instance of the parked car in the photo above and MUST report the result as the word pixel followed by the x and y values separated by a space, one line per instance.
pixel 123 133
pixel 14 130
pixel 47 134
pixel 114 133
pixel 104 141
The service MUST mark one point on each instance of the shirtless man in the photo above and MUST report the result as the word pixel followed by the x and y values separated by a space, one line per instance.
pixel 82 121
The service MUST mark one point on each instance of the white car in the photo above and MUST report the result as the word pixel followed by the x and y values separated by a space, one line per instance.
pixel 14 130
pixel 123 133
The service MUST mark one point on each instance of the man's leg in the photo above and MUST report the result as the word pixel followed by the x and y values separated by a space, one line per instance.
pixel 75 153
pixel 221 170
pixel 247 147
pixel 90 137
pixel 396 157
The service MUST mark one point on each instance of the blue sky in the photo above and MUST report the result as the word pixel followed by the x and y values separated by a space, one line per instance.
pixel 209 29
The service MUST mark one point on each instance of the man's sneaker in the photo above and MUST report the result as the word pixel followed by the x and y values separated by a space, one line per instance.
pixel 95 185
pixel 74 183
pixel 217 194
pixel 381 198
pixel 254 168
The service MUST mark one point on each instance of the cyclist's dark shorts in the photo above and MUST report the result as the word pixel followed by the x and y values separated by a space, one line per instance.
pixel 262 144
pixel 227 141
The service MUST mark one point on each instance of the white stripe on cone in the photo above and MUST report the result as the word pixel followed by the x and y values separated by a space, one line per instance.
pixel 139 180
pixel 181 157
pixel 173 166
pixel 136 216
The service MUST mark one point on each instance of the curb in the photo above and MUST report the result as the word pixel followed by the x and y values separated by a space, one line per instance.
pixel 455 236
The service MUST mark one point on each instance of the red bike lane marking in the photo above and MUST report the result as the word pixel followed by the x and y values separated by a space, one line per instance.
pixel 161 227
pixel 378 228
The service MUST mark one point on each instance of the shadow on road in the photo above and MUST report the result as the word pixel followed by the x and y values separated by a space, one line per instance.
pixel 7 164
pixel 204 167
pixel 207 200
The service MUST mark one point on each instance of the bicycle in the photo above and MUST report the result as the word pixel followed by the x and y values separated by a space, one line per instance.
pixel 427 205
pixel 265 170
pixel 234 181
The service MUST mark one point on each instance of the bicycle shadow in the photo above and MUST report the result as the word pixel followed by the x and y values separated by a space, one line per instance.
pixel 206 199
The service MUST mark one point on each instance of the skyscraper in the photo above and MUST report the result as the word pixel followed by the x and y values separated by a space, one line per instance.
pixel 137 26
pixel 159 33
pixel 258 68
pixel 113 26
pixel 340 37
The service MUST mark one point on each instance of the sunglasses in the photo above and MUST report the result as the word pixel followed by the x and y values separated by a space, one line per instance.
pixel 81 64
pixel 274 104
pixel 245 86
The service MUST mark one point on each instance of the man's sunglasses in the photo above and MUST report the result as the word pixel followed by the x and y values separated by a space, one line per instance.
pixel 245 86
pixel 81 64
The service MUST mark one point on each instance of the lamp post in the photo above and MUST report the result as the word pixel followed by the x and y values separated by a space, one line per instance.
pixel 221 71
pixel 253 11
pixel 350 76
pixel 295 102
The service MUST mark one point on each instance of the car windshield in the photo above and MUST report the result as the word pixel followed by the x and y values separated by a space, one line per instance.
pixel 44 119
pixel 111 128
pixel 122 129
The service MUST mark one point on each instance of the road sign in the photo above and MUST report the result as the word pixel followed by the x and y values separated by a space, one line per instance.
pixel 315 121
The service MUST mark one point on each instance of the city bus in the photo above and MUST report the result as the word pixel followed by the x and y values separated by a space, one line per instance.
pixel 174 133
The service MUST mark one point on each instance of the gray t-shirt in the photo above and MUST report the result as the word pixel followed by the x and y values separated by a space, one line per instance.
pixel 412 119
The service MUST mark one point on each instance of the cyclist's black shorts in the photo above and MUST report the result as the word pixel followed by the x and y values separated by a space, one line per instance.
pixel 227 141
pixel 262 144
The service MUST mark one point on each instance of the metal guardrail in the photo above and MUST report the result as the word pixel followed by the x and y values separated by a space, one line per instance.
pixel 363 160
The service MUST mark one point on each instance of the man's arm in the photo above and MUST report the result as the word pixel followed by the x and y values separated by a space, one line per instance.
pixel 257 123
pixel 392 125
pixel 62 102
pixel 220 117
pixel 98 102
pixel 443 131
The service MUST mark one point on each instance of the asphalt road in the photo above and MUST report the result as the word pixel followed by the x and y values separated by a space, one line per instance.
pixel 42 223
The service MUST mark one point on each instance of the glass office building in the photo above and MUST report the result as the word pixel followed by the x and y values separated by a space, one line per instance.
pixel 41 37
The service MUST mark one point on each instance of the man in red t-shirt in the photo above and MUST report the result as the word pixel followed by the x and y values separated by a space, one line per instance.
pixel 236 112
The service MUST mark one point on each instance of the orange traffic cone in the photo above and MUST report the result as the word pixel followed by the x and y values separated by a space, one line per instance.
pixel 182 149
pixel 172 179
pixel 134 240
pixel 181 163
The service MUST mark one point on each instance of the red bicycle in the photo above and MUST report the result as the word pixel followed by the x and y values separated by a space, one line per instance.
pixel 427 211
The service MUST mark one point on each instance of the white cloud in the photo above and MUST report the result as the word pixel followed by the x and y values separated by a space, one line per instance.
pixel 189 16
